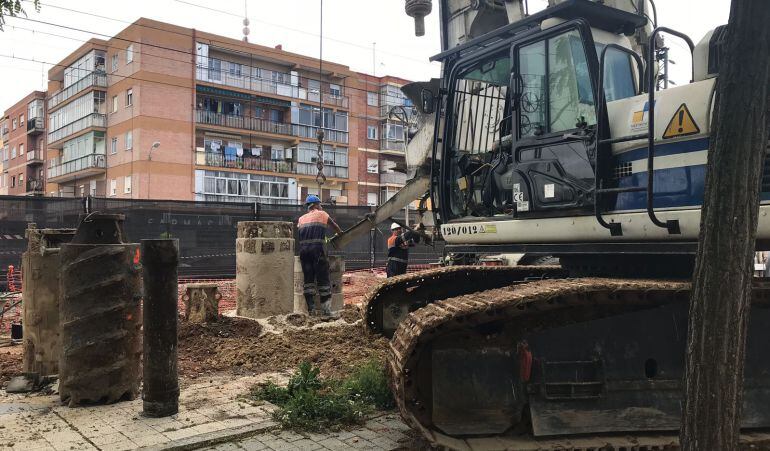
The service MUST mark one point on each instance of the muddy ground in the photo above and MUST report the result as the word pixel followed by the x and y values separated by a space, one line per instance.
pixel 10 362
pixel 237 346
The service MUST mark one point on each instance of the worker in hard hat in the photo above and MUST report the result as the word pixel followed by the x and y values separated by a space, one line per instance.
pixel 399 243
pixel 312 228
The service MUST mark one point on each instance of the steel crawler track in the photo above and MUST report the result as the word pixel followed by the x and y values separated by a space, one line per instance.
pixel 391 301
pixel 496 318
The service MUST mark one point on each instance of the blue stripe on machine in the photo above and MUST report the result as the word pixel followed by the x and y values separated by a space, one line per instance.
pixel 661 150
pixel 674 187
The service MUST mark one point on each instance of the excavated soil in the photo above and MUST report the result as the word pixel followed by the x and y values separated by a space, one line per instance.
pixel 10 363
pixel 234 345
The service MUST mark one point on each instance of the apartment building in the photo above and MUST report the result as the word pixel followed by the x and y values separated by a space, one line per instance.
pixel 386 117
pixel 167 112
pixel 23 146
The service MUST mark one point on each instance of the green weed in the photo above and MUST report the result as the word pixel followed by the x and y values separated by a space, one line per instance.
pixel 309 402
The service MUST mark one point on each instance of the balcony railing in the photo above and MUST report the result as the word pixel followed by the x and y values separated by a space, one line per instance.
pixel 307 131
pixel 35 125
pixel 251 163
pixel 92 161
pixel 395 178
pixel 264 80
pixel 92 79
pixel 92 120
pixel 34 156
pixel 35 186
pixel 387 144
pixel 242 122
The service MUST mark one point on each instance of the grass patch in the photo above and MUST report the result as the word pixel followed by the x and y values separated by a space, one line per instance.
pixel 309 402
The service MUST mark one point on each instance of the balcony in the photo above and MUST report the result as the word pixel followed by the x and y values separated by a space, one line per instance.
pixel 305 168
pixel 93 79
pixel 387 144
pixel 262 80
pixel 392 178
pixel 307 131
pixel 35 156
pixel 78 168
pixel 251 163
pixel 35 186
pixel 92 120
pixel 242 122
pixel 35 125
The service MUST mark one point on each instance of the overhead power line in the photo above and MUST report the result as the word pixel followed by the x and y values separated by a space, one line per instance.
pixel 171 49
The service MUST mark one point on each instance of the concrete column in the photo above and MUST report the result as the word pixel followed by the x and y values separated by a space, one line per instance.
pixel 336 269
pixel 40 266
pixel 160 390
pixel 264 259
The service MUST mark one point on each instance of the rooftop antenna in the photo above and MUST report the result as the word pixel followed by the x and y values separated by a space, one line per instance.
pixel 246 30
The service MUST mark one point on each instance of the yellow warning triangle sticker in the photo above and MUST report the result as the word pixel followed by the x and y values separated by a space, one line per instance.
pixel 681 124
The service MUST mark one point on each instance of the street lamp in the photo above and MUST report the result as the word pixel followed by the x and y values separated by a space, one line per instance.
pixel 155 145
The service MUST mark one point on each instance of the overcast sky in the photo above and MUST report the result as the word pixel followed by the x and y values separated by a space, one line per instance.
pixel 350 28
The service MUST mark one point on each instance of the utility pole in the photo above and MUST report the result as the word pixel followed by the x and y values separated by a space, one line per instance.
pixel 721 295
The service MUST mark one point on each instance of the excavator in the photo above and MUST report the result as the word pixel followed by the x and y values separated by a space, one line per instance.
pixel 549 134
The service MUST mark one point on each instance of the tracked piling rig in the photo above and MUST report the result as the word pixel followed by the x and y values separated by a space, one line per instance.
pixel 551 136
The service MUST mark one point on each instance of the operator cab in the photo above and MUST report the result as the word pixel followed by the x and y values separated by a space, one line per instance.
pixel 522 114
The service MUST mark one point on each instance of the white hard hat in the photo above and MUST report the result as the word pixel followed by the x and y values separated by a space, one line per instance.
pixel 394 226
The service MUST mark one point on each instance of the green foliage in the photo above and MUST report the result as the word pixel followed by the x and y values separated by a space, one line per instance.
pixel 309 402
pixel 12 8
pixel 369 384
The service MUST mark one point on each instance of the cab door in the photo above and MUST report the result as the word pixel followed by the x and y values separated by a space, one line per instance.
pixel 553 84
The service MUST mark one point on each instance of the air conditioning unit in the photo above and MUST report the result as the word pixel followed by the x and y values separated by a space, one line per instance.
pixel 289 154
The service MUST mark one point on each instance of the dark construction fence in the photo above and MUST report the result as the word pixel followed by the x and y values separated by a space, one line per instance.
pixel 206 230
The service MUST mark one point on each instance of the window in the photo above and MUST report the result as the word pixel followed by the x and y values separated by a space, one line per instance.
pixel 127 185
pixel 130 53
pixel 335 90
pixel 13 152
pixel 276 115
pixel 371 132
pixel 129 140
pixel 618 74
pixel 114 104
pixel 21 149
pixel 14 124
pixel 557 94
pixel 371 199
pixel 372 166
pixel 114 145
pixel 314 86
pixel 371 98
pixel 129 97
pixel 21 120
pixel 13 181
pixel 277 152
pixel 114 62
pixel 113 187
pixel 21 179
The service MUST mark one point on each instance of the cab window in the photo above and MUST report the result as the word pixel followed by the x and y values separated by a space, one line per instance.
pixel 557 92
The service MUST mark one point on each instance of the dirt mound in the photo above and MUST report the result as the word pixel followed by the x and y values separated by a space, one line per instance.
pixel 224 328
pixel 10 363
pixel 234 346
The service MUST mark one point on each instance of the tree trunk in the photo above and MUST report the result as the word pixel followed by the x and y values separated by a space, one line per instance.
pixel 720 302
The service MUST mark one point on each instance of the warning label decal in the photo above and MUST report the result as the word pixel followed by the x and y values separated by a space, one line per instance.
pixel 681 124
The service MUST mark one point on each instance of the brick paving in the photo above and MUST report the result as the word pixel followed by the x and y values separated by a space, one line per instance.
pixel 385 432
pixel 40 422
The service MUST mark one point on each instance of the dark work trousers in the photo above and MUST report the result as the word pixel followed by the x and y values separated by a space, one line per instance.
pixel 395 267
pixel 315 269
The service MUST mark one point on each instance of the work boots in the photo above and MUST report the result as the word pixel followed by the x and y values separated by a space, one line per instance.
pixel 326 306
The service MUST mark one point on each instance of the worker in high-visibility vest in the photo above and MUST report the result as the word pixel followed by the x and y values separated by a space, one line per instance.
pixel 312 254
pixel 399 243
